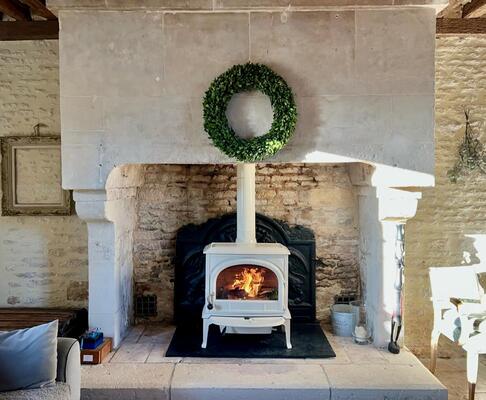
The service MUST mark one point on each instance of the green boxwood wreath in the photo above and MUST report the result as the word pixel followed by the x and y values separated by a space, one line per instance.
pixel 243 78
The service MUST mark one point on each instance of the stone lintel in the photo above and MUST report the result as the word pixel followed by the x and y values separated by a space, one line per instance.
pixel 243 5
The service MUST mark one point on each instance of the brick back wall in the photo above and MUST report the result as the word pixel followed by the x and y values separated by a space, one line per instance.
pixel 446 213
pixel 316 196
pixel 43 260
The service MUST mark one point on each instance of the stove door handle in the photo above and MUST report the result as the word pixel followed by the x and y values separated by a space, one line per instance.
pixel 210 301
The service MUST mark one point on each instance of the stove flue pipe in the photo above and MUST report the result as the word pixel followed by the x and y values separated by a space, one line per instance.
pixel 245 204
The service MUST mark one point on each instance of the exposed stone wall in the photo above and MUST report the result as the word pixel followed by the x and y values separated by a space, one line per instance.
pixel 317 196
pixel 446 213
pixel 43 260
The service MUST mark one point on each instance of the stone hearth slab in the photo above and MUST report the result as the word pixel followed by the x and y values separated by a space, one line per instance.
pixel 126 381
pixel 257 381
pixel 383 381
pixel 140 370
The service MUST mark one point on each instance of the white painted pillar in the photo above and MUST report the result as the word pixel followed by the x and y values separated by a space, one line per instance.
pixel 380 210
pixel 105 308
pixel 245 204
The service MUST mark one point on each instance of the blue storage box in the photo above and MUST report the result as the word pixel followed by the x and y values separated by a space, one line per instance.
pixel 91 340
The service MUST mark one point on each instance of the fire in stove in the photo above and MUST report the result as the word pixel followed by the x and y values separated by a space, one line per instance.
pixel 247 282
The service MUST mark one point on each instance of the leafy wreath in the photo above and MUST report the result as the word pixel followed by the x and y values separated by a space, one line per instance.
pixel 243 78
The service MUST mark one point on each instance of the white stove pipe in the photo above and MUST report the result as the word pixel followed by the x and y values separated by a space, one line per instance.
pixel 245 204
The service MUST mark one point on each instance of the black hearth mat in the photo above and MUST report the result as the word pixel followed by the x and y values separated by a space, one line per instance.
pixel 308 341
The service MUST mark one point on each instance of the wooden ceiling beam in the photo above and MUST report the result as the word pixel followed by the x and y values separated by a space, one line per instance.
pixel 37 7
pixel 474 9
pixel 461 26
pixel 29 30
pixel 15 9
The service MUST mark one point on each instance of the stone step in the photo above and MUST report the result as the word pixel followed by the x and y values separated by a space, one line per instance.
pixel 243 381
pixel 380 382
pixel 126 381
pixel 249 381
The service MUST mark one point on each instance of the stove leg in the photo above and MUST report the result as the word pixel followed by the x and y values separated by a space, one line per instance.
pixel 205 332
pixel 287 333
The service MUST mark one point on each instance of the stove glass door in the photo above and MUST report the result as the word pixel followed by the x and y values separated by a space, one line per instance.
pixel 247 282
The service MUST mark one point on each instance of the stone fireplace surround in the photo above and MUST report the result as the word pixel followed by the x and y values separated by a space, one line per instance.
pixel 147 204
pixel 132 78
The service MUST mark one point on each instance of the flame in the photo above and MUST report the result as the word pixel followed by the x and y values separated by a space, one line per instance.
pixel 250 280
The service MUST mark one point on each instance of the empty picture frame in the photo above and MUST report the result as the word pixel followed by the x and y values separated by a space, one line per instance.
pixel 31 176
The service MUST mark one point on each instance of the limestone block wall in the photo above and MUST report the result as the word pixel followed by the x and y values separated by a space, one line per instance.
pixel 448 212
pixel 133 95
pixel 320 197
pixel 43 260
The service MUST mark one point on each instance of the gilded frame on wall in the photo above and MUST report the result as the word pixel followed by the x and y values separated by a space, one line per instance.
pixel 19 195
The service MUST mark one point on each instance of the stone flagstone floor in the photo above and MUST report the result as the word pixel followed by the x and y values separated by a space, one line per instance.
pixel 140 370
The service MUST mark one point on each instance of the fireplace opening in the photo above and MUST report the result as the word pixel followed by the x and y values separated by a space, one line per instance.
pixel 247 282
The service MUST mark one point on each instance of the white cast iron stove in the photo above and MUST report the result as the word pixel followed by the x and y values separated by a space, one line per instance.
pixel 246 282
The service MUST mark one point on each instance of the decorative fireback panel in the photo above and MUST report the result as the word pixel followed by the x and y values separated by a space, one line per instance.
pixel 190 263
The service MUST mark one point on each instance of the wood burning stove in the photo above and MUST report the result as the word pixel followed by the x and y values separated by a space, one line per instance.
pixel 246 288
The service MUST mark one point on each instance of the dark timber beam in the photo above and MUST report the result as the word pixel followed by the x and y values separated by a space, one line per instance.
pixel 461 26
pixel 29 30
pixel 474 9
pixel 37 7
pixel 14 9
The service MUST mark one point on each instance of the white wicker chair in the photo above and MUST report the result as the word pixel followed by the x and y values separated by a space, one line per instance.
pixel 459 314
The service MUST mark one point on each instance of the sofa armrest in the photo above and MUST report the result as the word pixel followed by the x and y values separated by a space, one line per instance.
pixel 69 365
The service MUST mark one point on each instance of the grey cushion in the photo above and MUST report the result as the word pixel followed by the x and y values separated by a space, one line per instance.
pixel 57 391
pixel 28 357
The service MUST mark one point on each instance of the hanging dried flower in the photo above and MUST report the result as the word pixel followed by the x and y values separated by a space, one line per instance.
pixel 472 156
